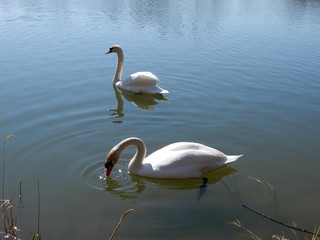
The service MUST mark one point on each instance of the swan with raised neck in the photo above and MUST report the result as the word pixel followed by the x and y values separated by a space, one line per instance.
pixel 179 160
pixel 118 73
pixel 139 82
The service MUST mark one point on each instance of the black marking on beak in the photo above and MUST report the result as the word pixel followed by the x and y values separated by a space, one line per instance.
pixel 108 164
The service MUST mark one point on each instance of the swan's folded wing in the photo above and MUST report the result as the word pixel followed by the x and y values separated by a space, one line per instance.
pixel 185 160
pixel 141 78
pixel 142 82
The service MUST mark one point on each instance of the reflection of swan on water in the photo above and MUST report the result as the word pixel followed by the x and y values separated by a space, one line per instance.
pixel 126 189
pixel 117 112
pixel 139 82
pixel 130 186
pixel 141 101
pixel 180 160
pixel 193 183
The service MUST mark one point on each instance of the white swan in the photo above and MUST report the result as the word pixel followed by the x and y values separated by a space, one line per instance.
pixel 139 82
pixel 179 160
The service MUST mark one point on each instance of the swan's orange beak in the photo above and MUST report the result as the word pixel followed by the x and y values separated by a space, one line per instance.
pixel 108 165
pixel 109 52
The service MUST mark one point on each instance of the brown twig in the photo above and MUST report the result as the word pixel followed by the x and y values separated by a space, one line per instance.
pixel 121 220
pixel 277 221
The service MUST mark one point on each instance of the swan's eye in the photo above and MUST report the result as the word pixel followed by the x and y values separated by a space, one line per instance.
pixel 111 49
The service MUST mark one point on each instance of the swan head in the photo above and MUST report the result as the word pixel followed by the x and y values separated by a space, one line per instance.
pixel 115 49
pixel 111 160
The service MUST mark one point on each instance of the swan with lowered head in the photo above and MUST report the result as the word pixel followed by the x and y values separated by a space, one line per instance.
pixel 139 82
pixel 179 160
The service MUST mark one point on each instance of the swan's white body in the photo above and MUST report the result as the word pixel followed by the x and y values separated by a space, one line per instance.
pixel 179 160
pixel 139 82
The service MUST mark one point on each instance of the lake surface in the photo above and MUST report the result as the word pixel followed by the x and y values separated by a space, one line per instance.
pixel 243 76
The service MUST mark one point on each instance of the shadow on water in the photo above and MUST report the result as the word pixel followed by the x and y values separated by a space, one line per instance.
pixel 128 186
pixel 143 101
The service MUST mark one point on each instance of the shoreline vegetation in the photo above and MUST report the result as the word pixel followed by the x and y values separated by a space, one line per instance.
pixel 11 231
pixel 315 233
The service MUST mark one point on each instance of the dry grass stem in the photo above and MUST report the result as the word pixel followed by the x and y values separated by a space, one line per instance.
pixel 251 234
pixel 276 237
pixel 120 221
pixel 266 184
pixel 316 231
pixel 6 138
pixel 10 230
pixel 38 236
pixel 19 185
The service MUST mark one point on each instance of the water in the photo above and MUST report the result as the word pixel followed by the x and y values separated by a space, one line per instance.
pixel 243 76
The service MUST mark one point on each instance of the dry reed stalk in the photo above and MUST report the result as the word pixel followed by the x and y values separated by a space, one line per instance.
pixel 316 233
pixel 120 221
pixel 6 138
pixel 270 188
pixel 38 236
pixel 251 234
pixel 20 192
pixel 276 237
pixel 10 230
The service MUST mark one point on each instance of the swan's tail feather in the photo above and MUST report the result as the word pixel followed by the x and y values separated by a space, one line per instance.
pixel 157 89
pixel 232 158
pixel 163 91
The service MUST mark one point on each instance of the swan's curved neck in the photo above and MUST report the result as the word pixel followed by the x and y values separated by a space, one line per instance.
pixel 118 73
pixel 136 161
